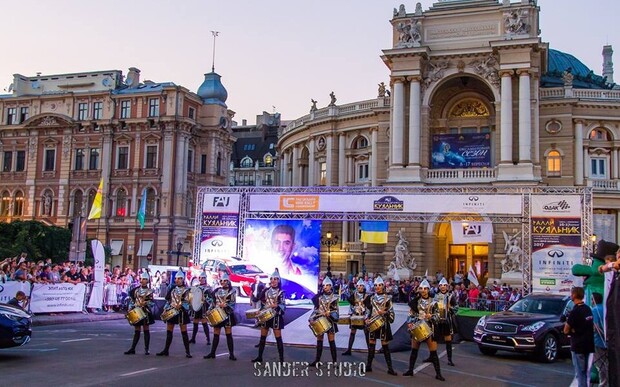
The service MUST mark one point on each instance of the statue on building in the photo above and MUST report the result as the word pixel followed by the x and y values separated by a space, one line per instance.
pixel 409 34
pixel 400 12
pixel 402 257
pixel 313 108
pixel 512 259
pixel 515 22
pixel 333 99
pixel 47 205
pixel 418 9
pixel 435 71
pixel 567 77
pixel 487 68
pixel 381 89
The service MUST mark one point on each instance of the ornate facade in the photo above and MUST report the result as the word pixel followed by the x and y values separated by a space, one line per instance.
pixel 61 134
pixel 472 72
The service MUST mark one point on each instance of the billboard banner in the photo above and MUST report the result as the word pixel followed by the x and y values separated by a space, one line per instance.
pixel 472 232
pixel 290 246
pixel 556 242
pixel 371 203
pixel 65 297
pixel 219 226
pixel 467 150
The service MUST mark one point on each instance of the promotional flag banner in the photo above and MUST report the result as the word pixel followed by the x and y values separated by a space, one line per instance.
pixel 471 276
pixel 472 232
pixel 374 232
pixel 142 210
pixel 95 210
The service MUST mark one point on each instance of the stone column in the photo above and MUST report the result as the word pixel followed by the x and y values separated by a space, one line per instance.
pixel 614 163
pixel 579 153
pixel 311 162
pixel 372 168
pixel 166 169
pixel 506 118
pixel 295 167
pixel 397 138
pixel 342 169
pixel 329 159
pixel 525 117
pixel 586 162
pixel 414 121
pixel 283 169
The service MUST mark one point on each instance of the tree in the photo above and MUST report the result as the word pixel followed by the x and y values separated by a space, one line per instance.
pixel 37 239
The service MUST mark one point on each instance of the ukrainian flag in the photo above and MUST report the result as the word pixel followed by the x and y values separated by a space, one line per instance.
pixel 374 232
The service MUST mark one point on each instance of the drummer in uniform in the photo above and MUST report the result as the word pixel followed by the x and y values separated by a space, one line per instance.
pixel 272 297
pixel 423 308
pixel 200 315
pixel 445 326
pixel 142 297
pixel 379 305
pixel 225 298
pixel 326 305
pixel 358 309
pixel 177 298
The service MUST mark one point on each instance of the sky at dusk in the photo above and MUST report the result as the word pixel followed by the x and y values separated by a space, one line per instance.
pixel 271 54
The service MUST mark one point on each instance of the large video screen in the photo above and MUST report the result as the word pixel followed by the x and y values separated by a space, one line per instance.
pixel 466 150
pixel 291 247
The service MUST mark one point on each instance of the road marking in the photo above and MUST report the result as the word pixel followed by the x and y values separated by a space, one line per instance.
pixel 366 378
pixel 494 378
pixel 38 350
pixel 71 341
pixel 424 365
pixel 139 372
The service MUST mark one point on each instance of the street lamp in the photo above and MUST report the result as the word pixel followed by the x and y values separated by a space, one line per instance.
pixel 179 252
pixel 364 263
pixel 329 240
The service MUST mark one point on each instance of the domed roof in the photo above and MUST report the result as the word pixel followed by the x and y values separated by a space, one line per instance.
pixel 583 77
pixel 212 91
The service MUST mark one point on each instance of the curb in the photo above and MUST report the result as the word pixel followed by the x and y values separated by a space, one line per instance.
pixel 43 320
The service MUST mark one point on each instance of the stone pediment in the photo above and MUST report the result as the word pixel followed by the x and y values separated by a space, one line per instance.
pixel 49 120
pixel 152 138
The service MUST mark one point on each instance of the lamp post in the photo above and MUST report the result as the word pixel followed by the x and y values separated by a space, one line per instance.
pixel 329 240
pixel 364 263
pixel 178 252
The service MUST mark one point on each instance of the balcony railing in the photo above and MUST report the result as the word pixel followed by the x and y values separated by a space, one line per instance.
pixel 598 94
pixel 473 175
pixel 604 185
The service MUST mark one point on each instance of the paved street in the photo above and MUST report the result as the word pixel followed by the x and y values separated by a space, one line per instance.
pixel 91 354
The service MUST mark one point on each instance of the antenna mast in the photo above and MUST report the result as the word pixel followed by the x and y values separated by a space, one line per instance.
pixel 215 35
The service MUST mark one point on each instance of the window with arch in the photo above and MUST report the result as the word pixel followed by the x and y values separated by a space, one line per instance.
pixel 121 202
pixel 78 202
pixel 599 134
pixel 18 208
pixel 6 204
pixel 91 199
pixel 554 164
pixel 268 160
pixel 361 143
pixel 246 162
pixel 150 202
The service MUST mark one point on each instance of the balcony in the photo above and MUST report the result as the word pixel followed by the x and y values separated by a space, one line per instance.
pixel 453 176
pixel 599 185
pixel 85 174
pixel 12 176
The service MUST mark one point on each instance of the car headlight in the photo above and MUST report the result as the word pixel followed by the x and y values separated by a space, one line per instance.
pixel 533 327
pixel 482 322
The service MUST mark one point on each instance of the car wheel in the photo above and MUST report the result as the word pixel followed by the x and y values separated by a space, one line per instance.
pixel 487 351
pixel 548 351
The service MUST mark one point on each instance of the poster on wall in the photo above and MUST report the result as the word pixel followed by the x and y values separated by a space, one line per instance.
pixel 291 246
pixel 467 150
pixel 219 226
pixel 556 242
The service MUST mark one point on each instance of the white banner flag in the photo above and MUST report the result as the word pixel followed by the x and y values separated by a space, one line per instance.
pixel 63 297
pixel 471 276
pixel 9 289
pixel 472 232
pixel 96 296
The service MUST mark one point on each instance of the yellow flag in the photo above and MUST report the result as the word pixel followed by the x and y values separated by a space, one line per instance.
pixel 95 210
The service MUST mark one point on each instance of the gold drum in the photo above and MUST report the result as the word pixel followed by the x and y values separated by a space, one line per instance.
pixel 216 316
pixel 252 313
pixel 135 315
pixel 169 313
pixel 421 331
pixel 358 322
pixel 375 323
pixel 320 325
pixel 265 315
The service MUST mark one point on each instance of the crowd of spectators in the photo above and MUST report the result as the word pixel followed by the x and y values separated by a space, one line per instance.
pixel 44 271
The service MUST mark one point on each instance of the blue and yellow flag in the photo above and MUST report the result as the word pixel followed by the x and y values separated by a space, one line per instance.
pixel 374 232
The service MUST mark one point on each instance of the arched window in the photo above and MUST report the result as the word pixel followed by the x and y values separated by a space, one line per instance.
pixel 18 209
pixel 246 162
pixel 361 143
pixel 78 202
pixel 268 159
pixel 150 202
pixel 121 202
pixel 599 134
pixel 6 204
pixel 91 199
pixel 554 164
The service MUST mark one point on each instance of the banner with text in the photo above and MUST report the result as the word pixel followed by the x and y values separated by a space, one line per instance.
pixel 219 227
pixel 63 297
pixel 9 289
pixel 395 203
pixel 472 232
pixel 556 242
pixel 467 150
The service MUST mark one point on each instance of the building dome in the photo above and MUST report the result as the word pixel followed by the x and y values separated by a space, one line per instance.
pixel 583 77
pixel 212 91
